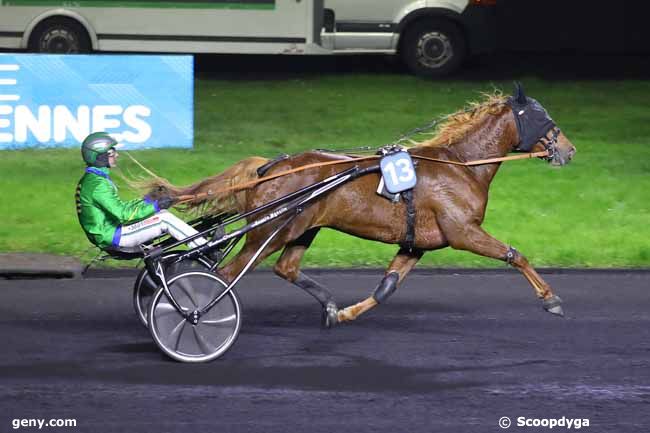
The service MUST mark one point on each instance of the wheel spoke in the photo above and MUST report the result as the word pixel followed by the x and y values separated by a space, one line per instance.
pixel 220 322
pixel 206 347
pixel 176 334
pixel 165 309
pixel 205 290
pixel 186 287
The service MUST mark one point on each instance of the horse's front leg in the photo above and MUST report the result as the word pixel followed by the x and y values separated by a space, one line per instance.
pixel 403 262
pixel 473 238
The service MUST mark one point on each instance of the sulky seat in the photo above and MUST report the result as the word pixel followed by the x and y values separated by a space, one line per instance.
pixel 124 253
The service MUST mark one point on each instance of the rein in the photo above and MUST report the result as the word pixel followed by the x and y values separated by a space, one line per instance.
pixel 548 154
pixel 245 185
pixel 542 154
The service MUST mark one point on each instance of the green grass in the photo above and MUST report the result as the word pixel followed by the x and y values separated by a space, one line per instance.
pixel 592 213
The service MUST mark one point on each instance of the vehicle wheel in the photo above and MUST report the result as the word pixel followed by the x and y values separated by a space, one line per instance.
pixel 60 36
pixel 145 287
pixel 433 48
pixel 216 330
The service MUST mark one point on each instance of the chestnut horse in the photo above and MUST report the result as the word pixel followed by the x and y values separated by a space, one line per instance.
pixel 450 200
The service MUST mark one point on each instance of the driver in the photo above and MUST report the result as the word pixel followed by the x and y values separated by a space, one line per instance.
pixel 111 223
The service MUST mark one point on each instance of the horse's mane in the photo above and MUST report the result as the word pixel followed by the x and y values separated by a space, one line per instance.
pixel 457 125
pixel 210 201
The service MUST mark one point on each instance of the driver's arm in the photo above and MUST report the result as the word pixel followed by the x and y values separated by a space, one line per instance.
pixel 105 196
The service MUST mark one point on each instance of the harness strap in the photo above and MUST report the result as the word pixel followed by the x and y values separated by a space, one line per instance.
pixel 244 185
pixel 409 239
pixel 261 171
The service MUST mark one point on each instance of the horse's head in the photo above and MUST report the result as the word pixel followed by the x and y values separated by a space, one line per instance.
pixel 537 131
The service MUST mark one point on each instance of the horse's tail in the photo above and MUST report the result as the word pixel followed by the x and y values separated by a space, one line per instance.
pixel 208 197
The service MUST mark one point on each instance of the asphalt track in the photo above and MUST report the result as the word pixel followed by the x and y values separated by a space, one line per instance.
pixel 448 352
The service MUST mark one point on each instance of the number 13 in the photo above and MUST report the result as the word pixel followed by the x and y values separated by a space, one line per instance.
pixel 402 173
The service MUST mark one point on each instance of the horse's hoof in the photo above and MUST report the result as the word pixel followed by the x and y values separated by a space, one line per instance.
pixel 554 305
pixel 329 316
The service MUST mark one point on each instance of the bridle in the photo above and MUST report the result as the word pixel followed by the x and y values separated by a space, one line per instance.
pixel 550 143
pixel 534 126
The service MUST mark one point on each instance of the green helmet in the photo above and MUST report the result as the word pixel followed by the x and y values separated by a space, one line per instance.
pixel 96 144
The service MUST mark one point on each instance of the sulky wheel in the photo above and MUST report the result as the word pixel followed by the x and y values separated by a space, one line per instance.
pixel 145 287
pixel 211 335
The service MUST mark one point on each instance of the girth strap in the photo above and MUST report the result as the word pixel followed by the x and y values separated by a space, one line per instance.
pixel 409 239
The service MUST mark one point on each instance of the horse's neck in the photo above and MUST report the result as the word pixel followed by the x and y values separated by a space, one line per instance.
pixel 494 139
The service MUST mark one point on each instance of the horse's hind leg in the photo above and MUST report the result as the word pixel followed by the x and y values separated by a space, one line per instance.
pixel 473 238
pixel 288 267
pixel 401 265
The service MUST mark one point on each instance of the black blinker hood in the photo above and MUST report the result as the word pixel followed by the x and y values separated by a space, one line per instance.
pixel 533 122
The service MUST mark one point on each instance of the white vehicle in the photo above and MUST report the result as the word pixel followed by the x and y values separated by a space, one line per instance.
pixel 432 36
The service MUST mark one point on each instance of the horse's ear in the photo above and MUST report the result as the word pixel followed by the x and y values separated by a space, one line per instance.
pixel 518 94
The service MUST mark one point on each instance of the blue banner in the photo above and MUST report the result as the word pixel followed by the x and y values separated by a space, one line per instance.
pixel 47 101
